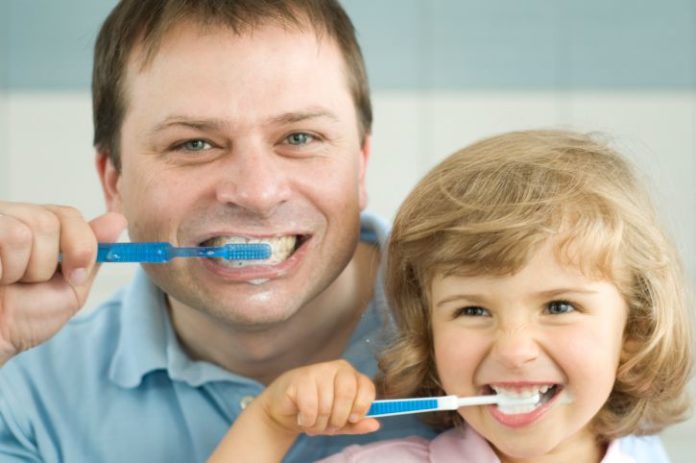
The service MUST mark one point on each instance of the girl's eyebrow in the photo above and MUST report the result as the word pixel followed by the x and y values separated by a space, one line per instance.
pixel 551 293
pixel 472 298
pixel 546 294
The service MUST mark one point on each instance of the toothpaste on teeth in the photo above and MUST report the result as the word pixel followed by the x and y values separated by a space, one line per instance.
pixel 451 402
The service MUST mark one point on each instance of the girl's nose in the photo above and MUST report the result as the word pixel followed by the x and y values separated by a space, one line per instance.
pixel 254 180
pixel 515 347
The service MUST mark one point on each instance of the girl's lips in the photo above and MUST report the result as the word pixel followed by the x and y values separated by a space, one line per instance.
pixel 524 419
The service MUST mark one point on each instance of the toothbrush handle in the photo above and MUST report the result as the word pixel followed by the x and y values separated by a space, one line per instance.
pixel 402 406
pixel 161 252
pixel 154 253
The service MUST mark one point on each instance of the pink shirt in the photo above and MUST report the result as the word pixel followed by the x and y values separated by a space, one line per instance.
pixel 458 444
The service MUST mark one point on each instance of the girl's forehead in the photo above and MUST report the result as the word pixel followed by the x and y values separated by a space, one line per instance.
pixel 571 254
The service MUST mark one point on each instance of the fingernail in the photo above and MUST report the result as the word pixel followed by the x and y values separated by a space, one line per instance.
pixel 354 418
pixel 299 419
pixel 78 276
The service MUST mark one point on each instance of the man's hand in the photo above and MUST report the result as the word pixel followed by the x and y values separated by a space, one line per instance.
pixel 38 296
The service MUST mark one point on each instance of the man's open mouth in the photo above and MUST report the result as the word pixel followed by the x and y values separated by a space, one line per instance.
pixel 282 247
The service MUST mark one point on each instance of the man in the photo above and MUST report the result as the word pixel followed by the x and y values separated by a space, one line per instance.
pixel 215 121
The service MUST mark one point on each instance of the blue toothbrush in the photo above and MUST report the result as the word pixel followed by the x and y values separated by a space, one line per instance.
pixel 450 402
pixel 160 252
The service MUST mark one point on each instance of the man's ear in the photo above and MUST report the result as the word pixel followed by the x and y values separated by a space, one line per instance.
pixel 110 177
pixel 362 169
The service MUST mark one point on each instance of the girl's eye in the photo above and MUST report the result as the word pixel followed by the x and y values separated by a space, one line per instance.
pixel 471 311
pixel 194 145
pixel 559 307
pixel 299 138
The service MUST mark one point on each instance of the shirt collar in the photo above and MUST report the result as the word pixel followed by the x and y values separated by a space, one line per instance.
pixel 147 342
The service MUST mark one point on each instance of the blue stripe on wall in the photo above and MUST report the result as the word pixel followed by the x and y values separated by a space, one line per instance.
pixel 420 44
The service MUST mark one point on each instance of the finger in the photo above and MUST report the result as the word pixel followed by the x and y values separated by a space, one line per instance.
pixel 345 391
pixel 363 399
pixel 15 249
pixel 45 226
pixel 325 396
pixel 307 400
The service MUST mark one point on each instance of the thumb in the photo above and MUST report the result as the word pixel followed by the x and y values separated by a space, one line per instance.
pixel 364 426
pixel 108 227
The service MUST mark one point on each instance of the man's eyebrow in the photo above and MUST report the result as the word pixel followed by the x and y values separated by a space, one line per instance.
pixel 299 116
pixel 191 122
pixel 218 124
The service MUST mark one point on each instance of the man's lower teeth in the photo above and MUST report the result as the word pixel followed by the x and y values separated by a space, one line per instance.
pixel 238 263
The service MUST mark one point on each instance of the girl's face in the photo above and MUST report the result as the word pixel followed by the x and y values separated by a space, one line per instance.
pixel 546 329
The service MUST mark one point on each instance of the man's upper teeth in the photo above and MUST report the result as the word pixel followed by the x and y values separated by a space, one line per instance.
pixel 281 246
pixel 522 392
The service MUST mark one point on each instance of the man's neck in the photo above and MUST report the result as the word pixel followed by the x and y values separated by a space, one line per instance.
pixel 266 352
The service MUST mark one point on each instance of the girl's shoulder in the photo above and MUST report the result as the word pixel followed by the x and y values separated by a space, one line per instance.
pixel 636 449
pixel 452 444
pixel 412 449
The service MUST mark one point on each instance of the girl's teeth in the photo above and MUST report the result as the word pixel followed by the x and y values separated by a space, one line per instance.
pixel 524 392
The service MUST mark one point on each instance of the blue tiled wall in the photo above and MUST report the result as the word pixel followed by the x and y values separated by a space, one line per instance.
pixel 420 44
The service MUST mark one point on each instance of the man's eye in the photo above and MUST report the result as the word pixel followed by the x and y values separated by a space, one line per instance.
pixel 471 311
pixel 299 138
pixel 559 307
pixel 194 145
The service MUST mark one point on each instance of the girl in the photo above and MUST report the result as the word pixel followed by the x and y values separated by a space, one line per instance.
pixel 528 263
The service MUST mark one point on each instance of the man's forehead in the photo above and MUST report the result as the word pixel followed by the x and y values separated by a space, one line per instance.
pixel 147 49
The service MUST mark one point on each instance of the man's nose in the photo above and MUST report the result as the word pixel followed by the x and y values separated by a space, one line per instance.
pixel 516 346
pixel 254 179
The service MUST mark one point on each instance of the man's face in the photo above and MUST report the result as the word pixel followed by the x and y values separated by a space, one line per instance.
pixel 252 136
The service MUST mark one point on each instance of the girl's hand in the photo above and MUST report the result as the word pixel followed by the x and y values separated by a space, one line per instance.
pixel 324 398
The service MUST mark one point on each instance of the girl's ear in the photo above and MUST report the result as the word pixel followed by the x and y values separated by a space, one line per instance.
pixel 629 349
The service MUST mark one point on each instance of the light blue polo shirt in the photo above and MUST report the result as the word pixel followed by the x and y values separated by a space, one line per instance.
pixel 116 386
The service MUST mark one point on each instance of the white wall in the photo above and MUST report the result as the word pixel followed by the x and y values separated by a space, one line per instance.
pixel 46 154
